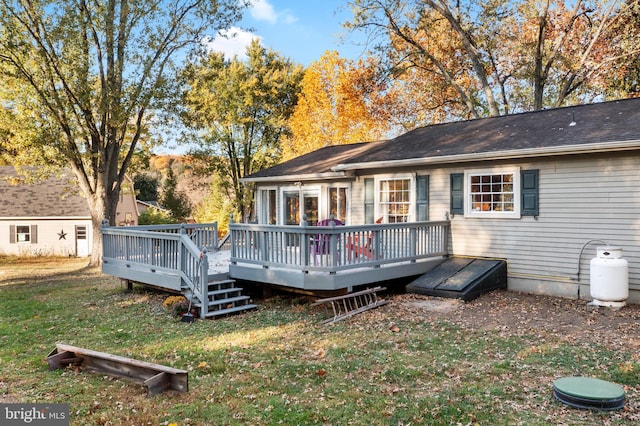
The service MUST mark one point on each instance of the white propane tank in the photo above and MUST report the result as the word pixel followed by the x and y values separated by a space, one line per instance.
pixel 609 277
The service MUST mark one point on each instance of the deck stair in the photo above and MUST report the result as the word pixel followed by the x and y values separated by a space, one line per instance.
pixel 351 304
pixel 223 298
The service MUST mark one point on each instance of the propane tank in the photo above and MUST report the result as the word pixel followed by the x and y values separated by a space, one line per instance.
pixel 609 277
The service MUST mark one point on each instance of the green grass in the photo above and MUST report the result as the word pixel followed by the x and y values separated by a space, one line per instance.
pixel 277 365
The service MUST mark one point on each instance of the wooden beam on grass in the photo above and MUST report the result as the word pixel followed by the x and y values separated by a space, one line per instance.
pixel 155 377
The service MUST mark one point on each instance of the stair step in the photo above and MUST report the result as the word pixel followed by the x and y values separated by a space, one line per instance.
pixel 221 285
pixel 227 301
pixel 224 291
pixel 226 311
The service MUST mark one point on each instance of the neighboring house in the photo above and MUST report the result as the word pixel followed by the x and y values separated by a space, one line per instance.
pixel 539 189
pixel 50 217
pixel 144 205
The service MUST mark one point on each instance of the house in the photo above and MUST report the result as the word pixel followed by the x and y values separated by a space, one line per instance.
pixel 50 217
pixel 541 190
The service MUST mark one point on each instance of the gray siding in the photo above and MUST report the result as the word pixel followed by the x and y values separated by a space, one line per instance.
pixel 583 203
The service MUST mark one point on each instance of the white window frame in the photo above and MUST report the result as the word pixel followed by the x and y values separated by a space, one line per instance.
pixel 301 189
pixel 347 200
pixel 28 234
pixel 412 201
pixel 261 209
pixel 470 212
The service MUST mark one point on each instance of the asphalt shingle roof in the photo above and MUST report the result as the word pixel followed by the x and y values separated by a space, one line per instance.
pixel 57 196
pixel 606 122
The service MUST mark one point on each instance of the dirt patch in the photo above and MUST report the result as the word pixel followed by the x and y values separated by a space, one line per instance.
pixel 519 313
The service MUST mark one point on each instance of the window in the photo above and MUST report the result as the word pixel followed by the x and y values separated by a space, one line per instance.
pixel 268 206
pixel 295 200
pixel 23 234
pixel 338 203
pixel 395 200
pixel 493 193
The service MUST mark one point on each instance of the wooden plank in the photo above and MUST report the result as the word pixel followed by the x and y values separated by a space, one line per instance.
pixel 61 359
pixel 156 378
pixel 157 384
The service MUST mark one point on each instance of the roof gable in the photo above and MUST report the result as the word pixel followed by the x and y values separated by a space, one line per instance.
pixel 56 196
pixel 538 133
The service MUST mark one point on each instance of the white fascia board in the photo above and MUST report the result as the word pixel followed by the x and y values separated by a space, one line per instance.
pixel 497 155
pixel 298 177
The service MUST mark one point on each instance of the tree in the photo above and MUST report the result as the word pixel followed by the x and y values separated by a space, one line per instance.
pixel 240 109
pixel 336 106
pixel 492 57
pixel 175 201
pixel 146 187
pixel 95 72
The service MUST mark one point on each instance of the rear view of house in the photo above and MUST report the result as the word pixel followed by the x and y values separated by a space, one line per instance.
pixel 540 190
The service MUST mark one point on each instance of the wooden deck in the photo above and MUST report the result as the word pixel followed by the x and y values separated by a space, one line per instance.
pixel 187 258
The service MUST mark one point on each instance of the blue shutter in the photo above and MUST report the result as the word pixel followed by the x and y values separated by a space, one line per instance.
pixel 12 234
pixel 422 198
pixel 457 193
pixel 369 200
pixel 34 234
pixel 529 193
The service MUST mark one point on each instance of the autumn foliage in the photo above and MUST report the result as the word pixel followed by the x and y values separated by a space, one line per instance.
pixel 339 104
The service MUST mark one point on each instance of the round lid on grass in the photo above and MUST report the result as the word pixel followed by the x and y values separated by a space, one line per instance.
pixel 590 393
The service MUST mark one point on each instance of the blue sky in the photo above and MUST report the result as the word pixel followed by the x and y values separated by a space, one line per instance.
pixel 301 30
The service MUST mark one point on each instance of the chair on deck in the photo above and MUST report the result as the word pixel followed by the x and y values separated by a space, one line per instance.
pixel 321 243
pixel 357 248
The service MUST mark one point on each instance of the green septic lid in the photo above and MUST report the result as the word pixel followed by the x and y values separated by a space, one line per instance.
pixel 586 392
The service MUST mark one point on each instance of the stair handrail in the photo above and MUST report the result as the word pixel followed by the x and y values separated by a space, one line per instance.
pixel 194 271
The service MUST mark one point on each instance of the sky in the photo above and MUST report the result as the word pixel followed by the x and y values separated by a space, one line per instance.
pixel 301 30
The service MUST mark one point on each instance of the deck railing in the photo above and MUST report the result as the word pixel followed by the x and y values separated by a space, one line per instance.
pixel 336 248
pixel 172 256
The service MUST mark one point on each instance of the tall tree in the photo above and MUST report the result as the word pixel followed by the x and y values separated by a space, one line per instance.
pixel 95 71
pixel 240 109
pixel 477 58
pixel 335 106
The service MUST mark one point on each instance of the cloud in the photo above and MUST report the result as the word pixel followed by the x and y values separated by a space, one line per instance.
pixel 232 42
pixel 262 10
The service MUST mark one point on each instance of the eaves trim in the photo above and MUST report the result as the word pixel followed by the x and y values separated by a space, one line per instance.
pixel 299 177
pixel 495 155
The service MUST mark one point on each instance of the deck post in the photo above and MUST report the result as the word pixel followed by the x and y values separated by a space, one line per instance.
pixel 304 243
pixel 203 283
pixel 232 237
pixel 333 243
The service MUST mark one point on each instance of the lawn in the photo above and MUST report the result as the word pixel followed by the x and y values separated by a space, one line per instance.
pixel 400 364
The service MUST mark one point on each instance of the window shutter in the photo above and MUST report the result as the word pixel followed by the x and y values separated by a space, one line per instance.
pixel 529 191
pixel 12 234
pixel 34 234
pixel 369 203
pixel 422 198
pixel 457 193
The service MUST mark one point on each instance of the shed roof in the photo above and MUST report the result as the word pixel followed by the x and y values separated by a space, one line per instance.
pixel 605 126
pixel 56 196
